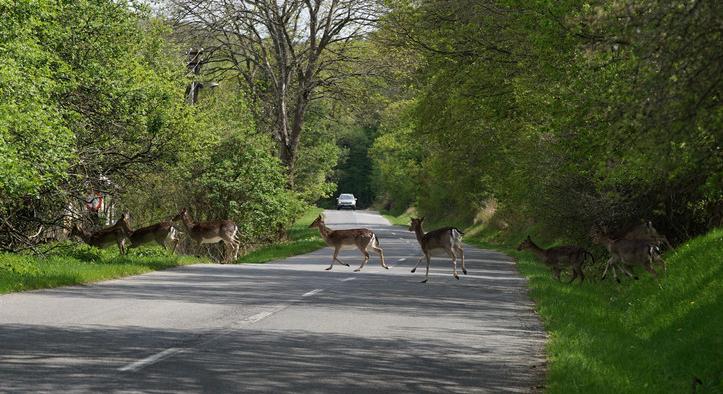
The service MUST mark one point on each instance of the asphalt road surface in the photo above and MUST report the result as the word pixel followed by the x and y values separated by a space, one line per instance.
pixel 287 326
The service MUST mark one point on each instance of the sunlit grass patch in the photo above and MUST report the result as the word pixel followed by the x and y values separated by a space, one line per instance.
pixel 638 336
pixel 72 264
pixel 301 239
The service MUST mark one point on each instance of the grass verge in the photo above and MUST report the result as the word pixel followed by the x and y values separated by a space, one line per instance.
pixel 72 264
pixel 634 337
pixel 302 239
pixel 402 220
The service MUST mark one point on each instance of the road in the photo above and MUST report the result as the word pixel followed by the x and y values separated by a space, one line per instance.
pixel 287 326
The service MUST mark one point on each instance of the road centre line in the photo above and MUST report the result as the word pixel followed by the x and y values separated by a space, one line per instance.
pixel 311 293
pixel 348 279
pixel 132 367
pixel 137 365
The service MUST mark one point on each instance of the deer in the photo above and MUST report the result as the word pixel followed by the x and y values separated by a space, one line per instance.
pixel 361 238
pixel 558 257
pixel 646 232
pixel 161 233
pixel 115 234
pixel 448 239
pixel 628 252
pixel 210 232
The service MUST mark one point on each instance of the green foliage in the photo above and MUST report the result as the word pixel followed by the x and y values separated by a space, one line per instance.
pixel 633 337
pixel 72 264
pixel 318 155
pixel 92 98
pixel 301 239
pixel 35 144
pixel 396 156
pixel 567 114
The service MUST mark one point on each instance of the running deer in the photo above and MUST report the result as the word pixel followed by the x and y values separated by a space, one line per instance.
pixel 361 238
pixel 559 257
pixel 448 239
pixel 212 232
pixel 103 238
pixel 162 233
pixel 628 252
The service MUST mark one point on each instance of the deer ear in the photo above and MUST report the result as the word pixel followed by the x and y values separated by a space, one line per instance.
pixel 421 219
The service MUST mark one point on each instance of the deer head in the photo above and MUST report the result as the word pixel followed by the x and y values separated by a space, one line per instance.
pixel 416 223
pixel 182 214
pixel 318 222
pixel 525 244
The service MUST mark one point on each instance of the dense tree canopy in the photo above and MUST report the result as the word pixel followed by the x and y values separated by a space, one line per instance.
pixel 567 114
pixel 560 114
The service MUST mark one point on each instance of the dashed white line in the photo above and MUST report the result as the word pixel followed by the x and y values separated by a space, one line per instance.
pixel 348 279
pixel 311 293
pixel 402 259
pixel 258 317
pixel 150 359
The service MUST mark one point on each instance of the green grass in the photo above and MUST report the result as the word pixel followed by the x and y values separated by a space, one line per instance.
pixel 72 264
pixel 302 239
pixel 402 220
pixel 634 337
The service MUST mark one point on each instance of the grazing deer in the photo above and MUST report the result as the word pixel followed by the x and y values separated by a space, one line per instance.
pixel 448 239
pixel 558 257
pixel 361 238
pixel 161 233
pixel 115 234
pixel 628 252
pixel 212 232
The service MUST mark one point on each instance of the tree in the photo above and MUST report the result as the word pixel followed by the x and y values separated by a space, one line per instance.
pixel 288 53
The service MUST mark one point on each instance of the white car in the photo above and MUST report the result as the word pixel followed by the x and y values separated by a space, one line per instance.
pixel 346 200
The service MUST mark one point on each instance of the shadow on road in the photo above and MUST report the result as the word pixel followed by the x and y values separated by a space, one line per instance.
pixel 249 361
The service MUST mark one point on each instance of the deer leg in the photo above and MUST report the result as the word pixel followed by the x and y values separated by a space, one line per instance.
pixel 366 259
pixel 660 260
pixel 460 250
pixel 375 247
pixel 237 244
pixel 556 273
pixel 574 275
pixel 649 267
pixel 454 263
pixel 426 276
pixel 615 274
pixel 225 255
pixel 333 259
pixel 609 264
pixel 341 262
pixel 605 272
pixel 175 245
pixel 628 273
pixel 418 261
pixel 122 245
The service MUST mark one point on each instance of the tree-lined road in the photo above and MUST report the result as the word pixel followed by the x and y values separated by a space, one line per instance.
pixel 287 326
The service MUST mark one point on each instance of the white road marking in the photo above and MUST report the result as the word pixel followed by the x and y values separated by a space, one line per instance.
pixel 348 279
pixel 402 259
pixel 311 293
pixel 151 359
pixel 258 317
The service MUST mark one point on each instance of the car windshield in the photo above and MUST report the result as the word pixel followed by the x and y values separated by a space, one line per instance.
pixel 346 197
